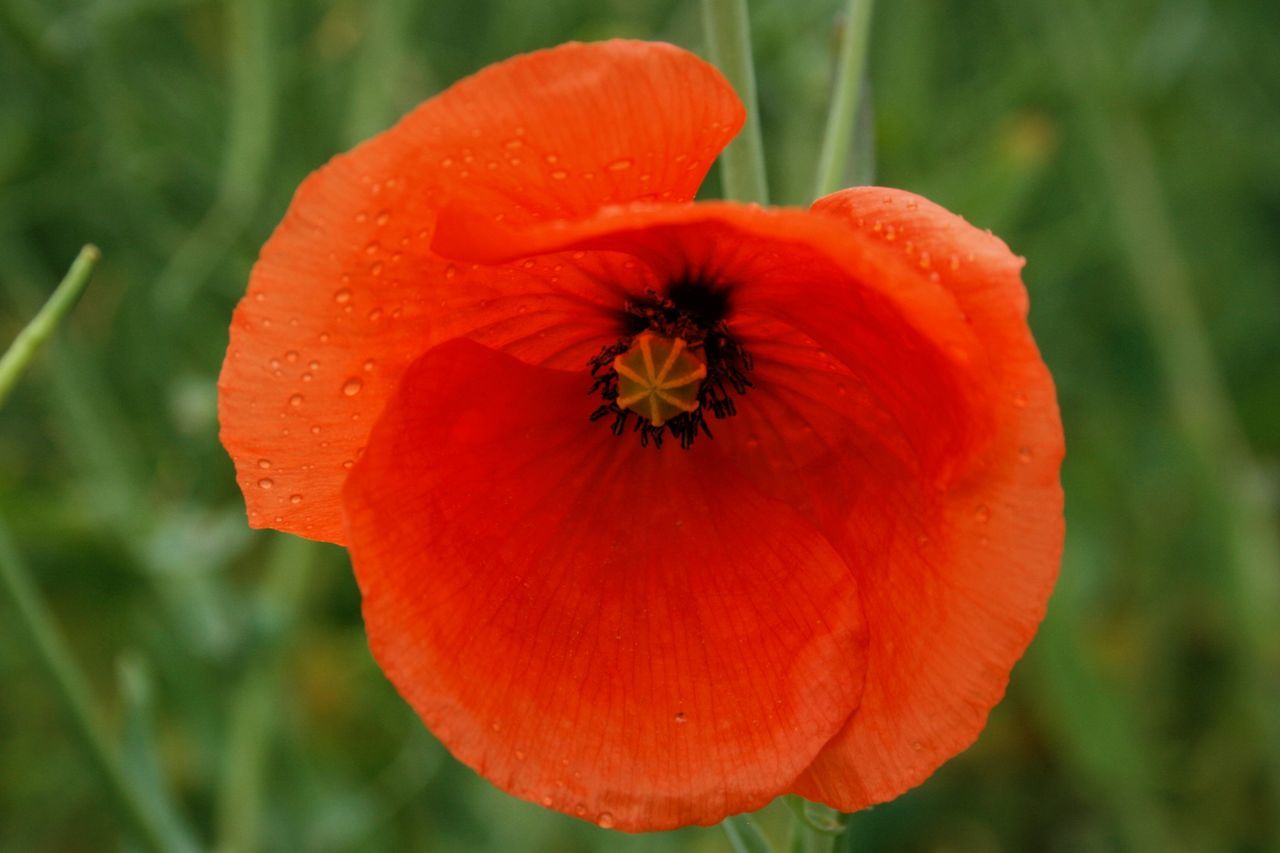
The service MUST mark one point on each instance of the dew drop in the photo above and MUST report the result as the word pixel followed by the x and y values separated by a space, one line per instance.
pixel 924 260
pixel 447 162
pixel 982 514
pixel 1024 453
pixel 620 165
pixel 383 217
pixel 375 315
pixel 347 463
pixel 307 377
pixel 291 356
pixel 352 386
pixel 265 483
pixel 343 296
pixel 368 366
pixel 547 801
pixel 450 271
pixel 375 268
pixel 559 174
pixel 264 464
pixel 1020 400
pixel 605 821
pixel 295 499
pixel 371 249
pixel 315 430
pixel 680 717
pixel 512 144
pixel 580 809
pixel 519 755
pixel 295 400
pixel 324 337
pixel 274 364
pixel 551 158
pixel 361 216
pixel 954 263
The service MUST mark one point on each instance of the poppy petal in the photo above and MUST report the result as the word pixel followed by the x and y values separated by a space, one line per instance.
pixel 630 635
pixel 347 292
pixel 968 577
pixel 903 336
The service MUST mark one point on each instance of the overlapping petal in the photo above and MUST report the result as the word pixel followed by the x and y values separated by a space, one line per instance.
pixel 636 637
pixel 347 291
pixel 962 585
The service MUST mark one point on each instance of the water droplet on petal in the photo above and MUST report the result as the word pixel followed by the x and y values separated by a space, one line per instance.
pixel 547 801
pixel 265 483
pixel 368 366
pixel 295 499
pixel 605 821
pixel 1024 453
pixel 559 174
pixel 342 296
pixel 383 217
pixel 982 514
pixel 1020 400
pixel 680 717
pixel 295 400
pixel 620 165
pixel 264 464
pixel 352 386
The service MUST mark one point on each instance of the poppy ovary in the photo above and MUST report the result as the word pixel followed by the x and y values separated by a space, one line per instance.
pixel 659 378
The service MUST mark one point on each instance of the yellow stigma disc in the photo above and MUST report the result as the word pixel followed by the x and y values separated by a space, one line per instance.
pixel 658 378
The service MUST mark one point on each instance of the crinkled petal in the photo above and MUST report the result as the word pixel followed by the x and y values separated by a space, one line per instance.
pixel 347 291
pixel 961 585
pixel 630 635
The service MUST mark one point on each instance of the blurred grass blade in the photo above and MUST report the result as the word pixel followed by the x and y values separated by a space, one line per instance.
pixel 24 347
pixel 141 761
pixel 744 836
pixel 253 704
pixel 727 29
pixel 250 135
pixel 845 111
pixel 135 808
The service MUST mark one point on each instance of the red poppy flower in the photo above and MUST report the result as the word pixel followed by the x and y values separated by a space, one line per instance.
pixel 658 509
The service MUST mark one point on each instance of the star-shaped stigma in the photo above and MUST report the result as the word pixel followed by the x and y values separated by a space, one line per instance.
pixel 659 378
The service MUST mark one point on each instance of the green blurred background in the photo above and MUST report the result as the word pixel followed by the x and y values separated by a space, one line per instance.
pixel 1130 150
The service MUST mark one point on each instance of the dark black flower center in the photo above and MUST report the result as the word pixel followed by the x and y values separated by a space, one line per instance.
pixel 695 314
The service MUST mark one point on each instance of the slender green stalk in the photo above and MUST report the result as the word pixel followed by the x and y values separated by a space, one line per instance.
pixel 72 690
pixel 24 347
pixel 253 704
pixel 814 827
pixel 838 139
pixel 744 836
pixel 251 128
pixel 728 33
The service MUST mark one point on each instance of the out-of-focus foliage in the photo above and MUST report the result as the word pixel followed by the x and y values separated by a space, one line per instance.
pixel 1130 150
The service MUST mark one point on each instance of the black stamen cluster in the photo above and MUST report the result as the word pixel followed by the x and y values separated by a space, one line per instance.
pixel 696 313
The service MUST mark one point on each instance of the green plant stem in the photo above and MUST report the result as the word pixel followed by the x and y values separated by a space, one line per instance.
pixel 255 699
pixel 251 127
pixel 842 117
pixel 728 33
pixel 24 347
pixel 72 690
pixel 744 836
